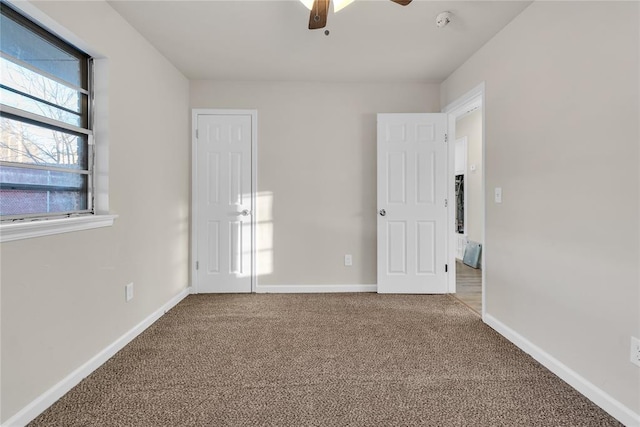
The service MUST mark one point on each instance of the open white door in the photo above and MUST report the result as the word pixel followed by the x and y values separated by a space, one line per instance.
pixel 412 205
pixel 223 194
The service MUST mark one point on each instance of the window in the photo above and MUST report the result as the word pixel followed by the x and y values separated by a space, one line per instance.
pixel 46 146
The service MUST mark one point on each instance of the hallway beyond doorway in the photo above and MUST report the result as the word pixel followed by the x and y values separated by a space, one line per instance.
pixel 469 286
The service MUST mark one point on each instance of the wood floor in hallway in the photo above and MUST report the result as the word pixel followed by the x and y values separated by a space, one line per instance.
pixel 469 286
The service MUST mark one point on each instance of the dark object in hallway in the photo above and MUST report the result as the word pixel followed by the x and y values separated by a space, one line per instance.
pixel 472 254
pixel 459 185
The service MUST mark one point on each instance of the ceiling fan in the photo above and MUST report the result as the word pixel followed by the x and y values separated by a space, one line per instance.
pixel 320 10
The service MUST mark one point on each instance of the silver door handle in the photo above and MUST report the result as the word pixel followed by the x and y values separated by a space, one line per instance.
pixel 245 212
pixel 382 212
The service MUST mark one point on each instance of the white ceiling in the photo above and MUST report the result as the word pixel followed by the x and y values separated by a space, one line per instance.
pixel 369 41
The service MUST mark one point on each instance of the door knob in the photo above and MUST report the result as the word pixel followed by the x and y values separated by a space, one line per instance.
pixel 245 212
pixel 383 212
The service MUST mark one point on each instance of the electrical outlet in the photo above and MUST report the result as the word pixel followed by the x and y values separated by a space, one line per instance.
pixel 348 260
pixel 635 351
pixel 128 292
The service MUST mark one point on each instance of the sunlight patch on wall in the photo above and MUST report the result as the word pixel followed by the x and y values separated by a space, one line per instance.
pixel 264 233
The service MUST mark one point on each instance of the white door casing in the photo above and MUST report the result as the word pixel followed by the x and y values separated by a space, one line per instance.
pixel 223 211
pixel 470 101
pixel 412 210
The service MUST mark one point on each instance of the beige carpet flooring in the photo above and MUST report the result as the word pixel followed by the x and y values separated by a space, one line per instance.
pixel 321 360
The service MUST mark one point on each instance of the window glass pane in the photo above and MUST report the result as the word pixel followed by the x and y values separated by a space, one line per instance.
pixel 23 85
pixel 23 142
pixel 24 103
pixel 21 178
pixel 20 202
pixel 32 191
pixel 26 81
pixel 28 46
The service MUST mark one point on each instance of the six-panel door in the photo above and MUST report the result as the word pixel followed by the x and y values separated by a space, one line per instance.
pixel 224 203
pixel 412 216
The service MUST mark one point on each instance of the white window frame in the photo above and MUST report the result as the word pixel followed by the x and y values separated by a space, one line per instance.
pixel 37 227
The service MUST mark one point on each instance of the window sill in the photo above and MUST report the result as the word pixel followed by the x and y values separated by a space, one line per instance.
pixel 47 227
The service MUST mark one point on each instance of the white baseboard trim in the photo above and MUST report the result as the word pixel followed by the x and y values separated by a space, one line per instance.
pixel 615 408
pixel 313 289
pixel 49 397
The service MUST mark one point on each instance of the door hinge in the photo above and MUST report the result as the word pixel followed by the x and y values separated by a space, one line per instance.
pixel 446 268
pixel 446 137
pixel 197 265
pixel 197 134
pixel 446 203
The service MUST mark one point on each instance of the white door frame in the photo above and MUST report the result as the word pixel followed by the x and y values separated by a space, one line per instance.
pixel 194 188
pixel 455 110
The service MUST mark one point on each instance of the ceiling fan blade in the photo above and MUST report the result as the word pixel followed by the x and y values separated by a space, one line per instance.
pixel 402 2
pixel 319 12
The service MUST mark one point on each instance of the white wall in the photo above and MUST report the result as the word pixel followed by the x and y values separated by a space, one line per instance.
pixel 561 117
pixel 317 171
pixel 471 127
pixel 63 296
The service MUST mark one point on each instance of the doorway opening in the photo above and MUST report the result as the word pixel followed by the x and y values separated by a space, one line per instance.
pixel 467 254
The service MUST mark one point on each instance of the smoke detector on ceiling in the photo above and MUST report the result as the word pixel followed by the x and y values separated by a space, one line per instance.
pixel 443 19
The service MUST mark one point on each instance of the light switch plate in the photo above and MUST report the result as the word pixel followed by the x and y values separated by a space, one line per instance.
pixel 348 260
pixel 635 351
pixel 128 292
pixel 498 195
